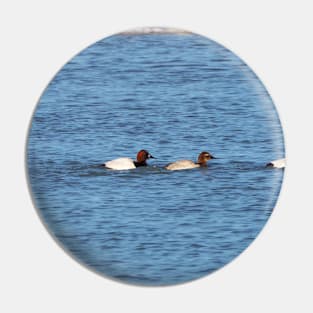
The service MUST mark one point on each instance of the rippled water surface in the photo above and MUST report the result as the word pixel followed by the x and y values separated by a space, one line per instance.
pixel 174 95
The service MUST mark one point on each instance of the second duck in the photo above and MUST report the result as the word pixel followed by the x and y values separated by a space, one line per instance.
pixel 188 164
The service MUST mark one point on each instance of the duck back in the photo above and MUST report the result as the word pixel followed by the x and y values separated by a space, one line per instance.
pixel 181 165
pixel 120 164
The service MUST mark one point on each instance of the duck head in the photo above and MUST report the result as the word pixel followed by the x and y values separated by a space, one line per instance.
pixel 143 155
pixel 204 157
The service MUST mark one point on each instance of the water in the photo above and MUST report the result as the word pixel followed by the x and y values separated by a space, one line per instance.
pixel 174 95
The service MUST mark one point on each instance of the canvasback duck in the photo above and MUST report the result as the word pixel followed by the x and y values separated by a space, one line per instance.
pixel 127 163
pixel 280 163
pixel 188 164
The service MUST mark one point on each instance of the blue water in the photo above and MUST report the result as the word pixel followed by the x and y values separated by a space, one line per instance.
pixel 174 95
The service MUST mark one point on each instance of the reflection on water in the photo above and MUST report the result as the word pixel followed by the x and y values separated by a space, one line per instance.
pixel 174 95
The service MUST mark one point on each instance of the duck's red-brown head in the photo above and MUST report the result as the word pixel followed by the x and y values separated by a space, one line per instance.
pixel 204 157
pixel 143 155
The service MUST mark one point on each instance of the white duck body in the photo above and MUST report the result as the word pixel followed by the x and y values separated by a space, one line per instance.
pixel 120 164
pixel 181 165
pixel 280 163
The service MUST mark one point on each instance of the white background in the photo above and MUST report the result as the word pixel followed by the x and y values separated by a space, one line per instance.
pixel 274 38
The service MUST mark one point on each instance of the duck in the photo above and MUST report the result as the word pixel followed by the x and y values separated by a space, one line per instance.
pixel 280 163
pixel 188 164
pixel 127 163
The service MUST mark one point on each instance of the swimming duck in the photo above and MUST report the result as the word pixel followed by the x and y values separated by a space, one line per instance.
pixel 127 163
pixel 188 164
pixel 280 163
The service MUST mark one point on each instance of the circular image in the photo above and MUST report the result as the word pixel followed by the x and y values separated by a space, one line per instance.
pixel 155 156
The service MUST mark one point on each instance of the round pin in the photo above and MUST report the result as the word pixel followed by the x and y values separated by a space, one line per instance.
pixel 155 156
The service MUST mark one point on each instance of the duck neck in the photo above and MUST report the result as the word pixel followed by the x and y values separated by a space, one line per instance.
pixel 142 163
pixel 202 163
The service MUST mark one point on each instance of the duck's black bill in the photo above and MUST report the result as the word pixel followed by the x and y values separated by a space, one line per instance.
pixel 151 157
pixel 212 157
